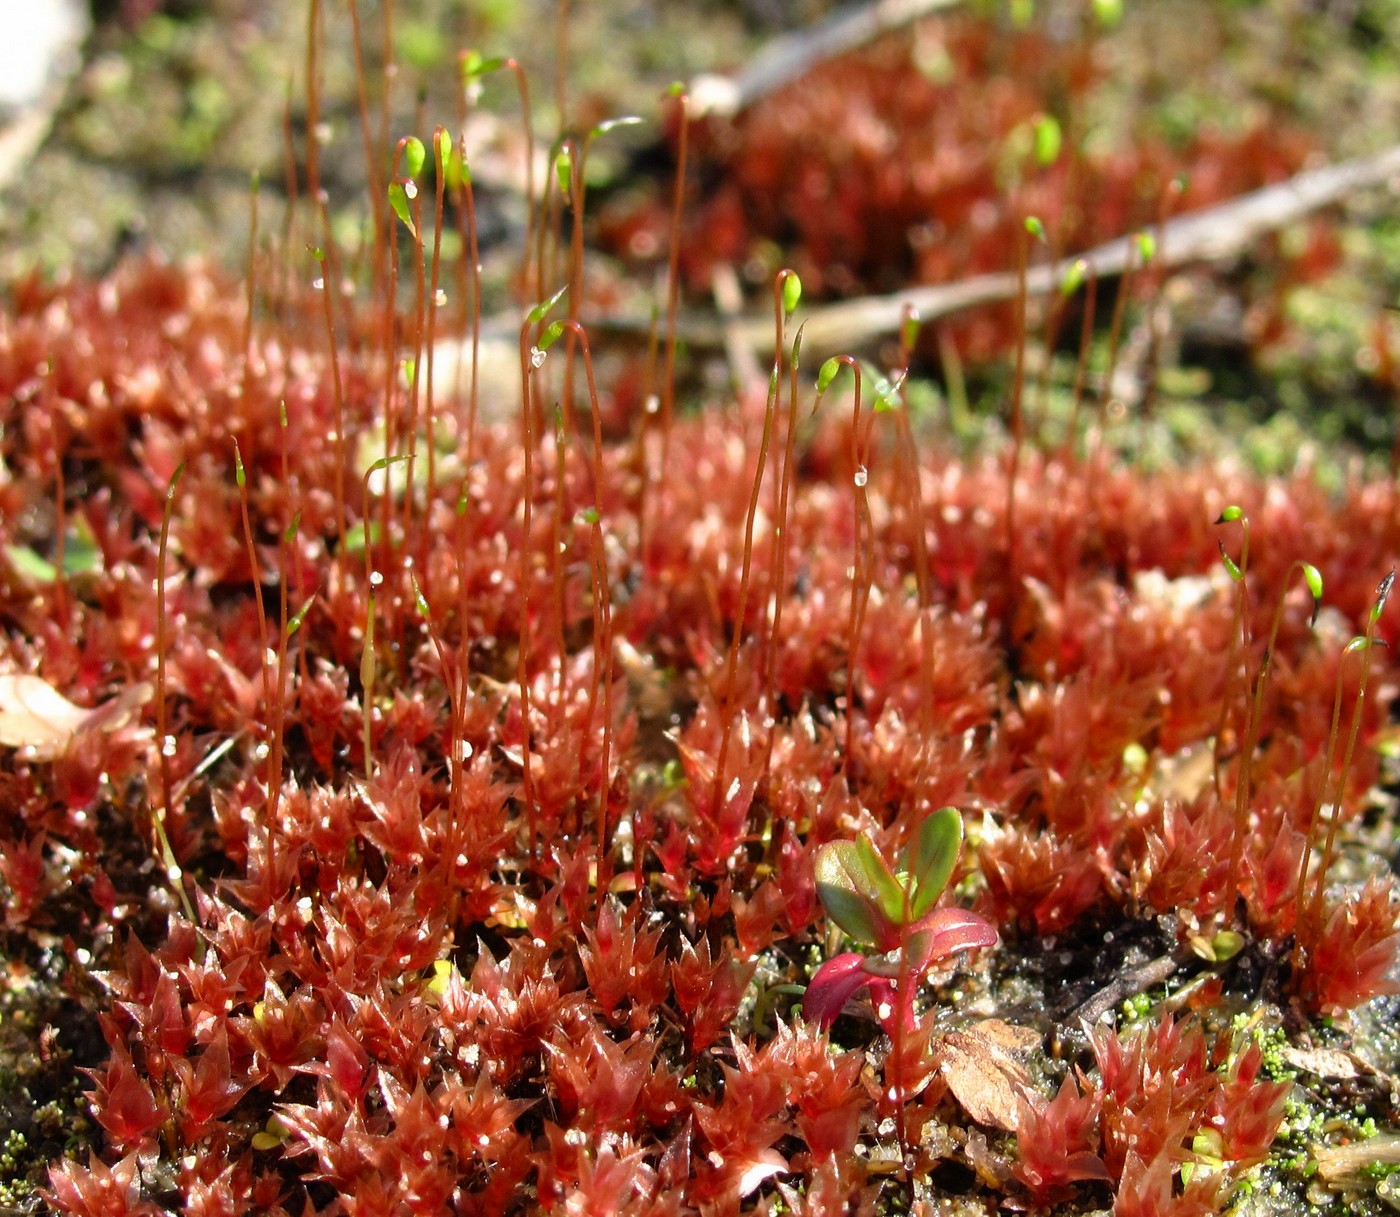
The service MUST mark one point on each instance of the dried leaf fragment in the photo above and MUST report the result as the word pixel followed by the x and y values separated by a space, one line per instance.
pixel 35 715
pixel 983 1075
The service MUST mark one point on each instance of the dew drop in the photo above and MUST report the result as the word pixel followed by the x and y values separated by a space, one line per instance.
pixel 168 746
pixel 861 476
pixel 536 357
pixel 653 404
pixel 410 190
pixel 318 284
pixel 440 297
pixel 376 578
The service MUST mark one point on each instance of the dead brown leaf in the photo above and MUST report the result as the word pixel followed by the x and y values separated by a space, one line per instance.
pixel 984 1076
pixel 36 716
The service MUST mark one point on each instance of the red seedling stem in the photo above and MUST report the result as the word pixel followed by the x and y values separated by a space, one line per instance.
pixel 251 298
pixel 1115 332
pixel 561 64
pixel 1081 367
pixel 920 527
pixel 673 287
pixel 441 141
pixel 58 430
pixel 532 289
pixel 159 816
pixel 1239 642
pixel 420 292
pixel 1018 426
pixel 378 203
pixel 778 561
pixel 293 187
pixel 329 277
pixel 578 155
pixel 522 660
pixel 313 99
pixel 1245 781
pixel 731 665
pixel 862 542
pixel 274 791
pixel 1311 927
pixel 602 627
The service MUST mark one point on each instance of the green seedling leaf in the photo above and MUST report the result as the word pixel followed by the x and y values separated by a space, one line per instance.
pixel 588 515
pixel 928 859
pixel 456 172
pixel 880 880
pixel 384 462
pixel 1382 595
pixel 30 565
pixel 1022 13
pixel 294 624
pixel 792 293
pixel 1313 577
pixel 415 156
pixel 473 67
pixel 1230 515
pixel 240 475
pixel 828 373
pixel 1146 247
pixel 398 200
pixel 1230 564
pixel 1108 12
pixel 80 557
pixel 273 1135
pixel 290 533
pixel 355 537
pixel 909 332
pixel 1227 944
pixel 1074 277
pixel 1036 229
pixel 420 601
pixel 886 392
pixel 676 89
pixel 563 170
pixel 542 310
pixel 442 144
pixel 1048 139
pixel 847 892
pixel 797 346
pixel 551 335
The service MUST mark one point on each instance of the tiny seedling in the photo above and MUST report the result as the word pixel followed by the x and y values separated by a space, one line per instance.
pixel 892 911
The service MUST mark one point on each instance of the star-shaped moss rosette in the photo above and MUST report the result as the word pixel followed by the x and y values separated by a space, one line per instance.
pixel 892 911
